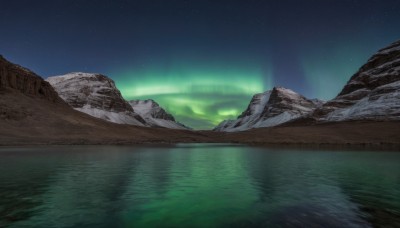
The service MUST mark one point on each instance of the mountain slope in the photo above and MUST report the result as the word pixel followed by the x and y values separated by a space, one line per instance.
pixel 373 93
pixel 154 115
pixel 15 77
pixel 96 95
pixel 31 112
pixel 270 108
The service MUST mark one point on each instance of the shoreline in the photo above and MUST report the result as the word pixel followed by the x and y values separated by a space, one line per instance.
pixel 294 146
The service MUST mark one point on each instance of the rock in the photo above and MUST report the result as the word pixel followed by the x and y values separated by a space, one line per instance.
pixel 18 78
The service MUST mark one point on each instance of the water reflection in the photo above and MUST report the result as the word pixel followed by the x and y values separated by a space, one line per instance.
pixel 197 186
pixel 205 187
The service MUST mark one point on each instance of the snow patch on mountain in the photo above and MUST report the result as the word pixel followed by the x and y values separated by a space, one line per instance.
pixel 377 106
pixel 224 125
pixel 271 108
pixel 115 117
pixel 155 115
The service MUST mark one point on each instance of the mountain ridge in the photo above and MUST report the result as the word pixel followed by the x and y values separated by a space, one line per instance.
pixel 96 94
pixel 32 112
pixel 372 93
pixel 155 115
pixel 270 108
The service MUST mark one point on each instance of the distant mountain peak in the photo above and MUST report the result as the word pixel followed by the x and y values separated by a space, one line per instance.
pixel 270 108
pixel 154 114
pixel 150 108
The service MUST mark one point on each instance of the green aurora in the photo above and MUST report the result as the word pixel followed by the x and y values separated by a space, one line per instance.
pixel 202 91
pixel 198 97
pixel 201 60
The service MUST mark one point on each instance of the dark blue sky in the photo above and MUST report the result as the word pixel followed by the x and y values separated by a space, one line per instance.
pixel 310 46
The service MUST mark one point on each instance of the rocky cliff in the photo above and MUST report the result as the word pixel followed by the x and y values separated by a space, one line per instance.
pixel 15 77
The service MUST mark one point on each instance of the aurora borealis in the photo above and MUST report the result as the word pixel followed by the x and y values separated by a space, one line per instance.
pixel 200 95
pixel 201 60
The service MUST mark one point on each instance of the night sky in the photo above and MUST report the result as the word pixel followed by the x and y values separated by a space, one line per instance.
pixel 201 60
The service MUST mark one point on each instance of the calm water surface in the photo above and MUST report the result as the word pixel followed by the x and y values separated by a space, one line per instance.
pixel 197 186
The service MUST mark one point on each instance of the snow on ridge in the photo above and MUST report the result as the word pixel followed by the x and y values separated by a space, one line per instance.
pixel 224 124
pixel 165 123
pixel 68 76
pixel 115 117
pixel 288 92
pixel 377 106
pixel 264 112
pixel 149 110
pixel 143 107
pixel 97 95
pixel 373 93
pixel 278 119
pixel 263 98
pixel 393 47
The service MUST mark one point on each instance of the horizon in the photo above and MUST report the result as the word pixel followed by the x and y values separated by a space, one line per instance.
pixel 201 61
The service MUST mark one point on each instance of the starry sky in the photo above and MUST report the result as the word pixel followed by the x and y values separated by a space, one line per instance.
pixel 201 60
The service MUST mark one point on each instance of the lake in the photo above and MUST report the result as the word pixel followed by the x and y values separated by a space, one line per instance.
pixel 197 185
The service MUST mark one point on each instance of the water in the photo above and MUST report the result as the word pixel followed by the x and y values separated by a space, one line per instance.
pixel 197 186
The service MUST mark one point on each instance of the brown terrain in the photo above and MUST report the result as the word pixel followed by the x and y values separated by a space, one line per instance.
pixel 31 113
pixel 354 133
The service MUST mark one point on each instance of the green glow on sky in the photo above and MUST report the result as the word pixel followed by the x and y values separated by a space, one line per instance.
pixel 199 97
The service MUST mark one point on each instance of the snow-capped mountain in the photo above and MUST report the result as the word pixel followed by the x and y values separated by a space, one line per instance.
pixel 271 108
pixel 96 95
pixel 154 115
pixel 373 93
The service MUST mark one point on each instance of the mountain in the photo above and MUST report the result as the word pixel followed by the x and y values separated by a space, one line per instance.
pixel 271 108
pixel 31 112
pixel 96 95
pixel 18 81
pixel 17 78
pixel 155 115
pixel 372 93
